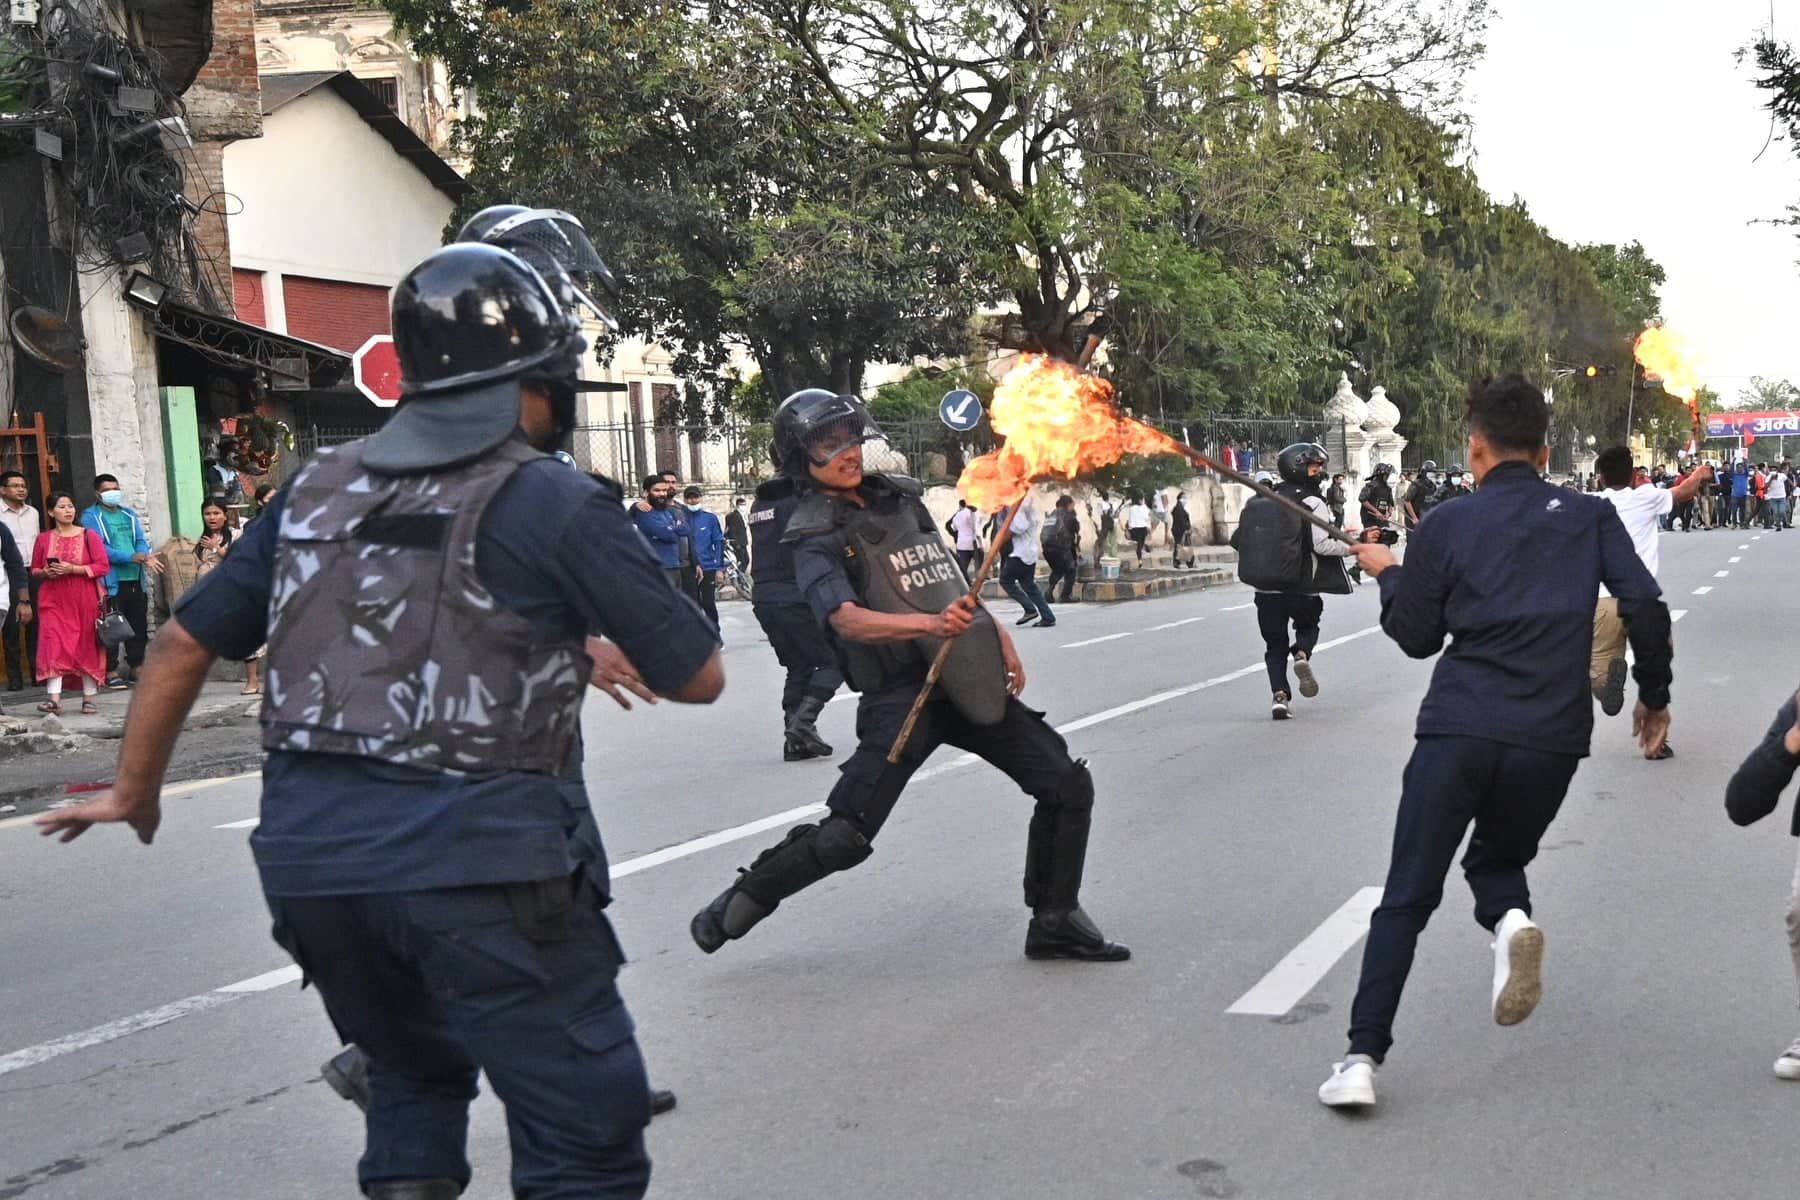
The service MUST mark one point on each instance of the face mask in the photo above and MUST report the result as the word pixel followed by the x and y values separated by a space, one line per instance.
pixel 112 499
pixel 695 507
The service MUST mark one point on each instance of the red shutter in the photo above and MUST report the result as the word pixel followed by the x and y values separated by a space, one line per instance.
pixel 334 313
pixel 247 296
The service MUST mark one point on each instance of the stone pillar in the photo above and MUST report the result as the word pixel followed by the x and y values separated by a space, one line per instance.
pixel 1344 439
pixel 1385 446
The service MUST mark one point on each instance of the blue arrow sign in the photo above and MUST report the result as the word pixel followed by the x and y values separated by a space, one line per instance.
pixel 960 410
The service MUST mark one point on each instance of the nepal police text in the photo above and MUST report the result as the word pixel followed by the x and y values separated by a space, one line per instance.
pixel 922 566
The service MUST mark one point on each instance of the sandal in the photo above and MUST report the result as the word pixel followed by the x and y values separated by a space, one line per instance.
pixel 249 691
pixel 51 707
pixel 89 709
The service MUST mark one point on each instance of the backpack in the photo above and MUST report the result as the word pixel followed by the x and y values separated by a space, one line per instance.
pixel 1273 547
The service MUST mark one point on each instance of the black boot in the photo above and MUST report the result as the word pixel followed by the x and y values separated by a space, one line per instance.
pixel 661 1101
pixel 414 1189
pixel 803 740
pixel 1055 854
pixel 806 855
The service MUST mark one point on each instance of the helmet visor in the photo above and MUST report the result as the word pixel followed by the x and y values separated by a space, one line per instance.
pixel 559 237
pixel 825 444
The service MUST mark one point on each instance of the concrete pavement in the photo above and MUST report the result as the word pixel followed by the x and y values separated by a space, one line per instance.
pixel 882 1033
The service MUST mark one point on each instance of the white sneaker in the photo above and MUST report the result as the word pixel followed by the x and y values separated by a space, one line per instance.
pixel 1309 682
pixel 1350 1086
pixel 1788 1065
pixel 1518 968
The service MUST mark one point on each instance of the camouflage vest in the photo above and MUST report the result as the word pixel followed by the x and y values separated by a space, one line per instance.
pixel 384 644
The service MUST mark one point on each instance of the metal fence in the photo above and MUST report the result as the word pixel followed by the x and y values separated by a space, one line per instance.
pixel 1251 444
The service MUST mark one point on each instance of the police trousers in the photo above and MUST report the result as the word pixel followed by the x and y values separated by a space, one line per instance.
pixel 1023 746
pixel 518 980
pixel 800 647
pixel 1510 794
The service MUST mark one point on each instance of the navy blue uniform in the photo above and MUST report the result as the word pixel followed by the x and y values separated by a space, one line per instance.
pixel 781 609
pixel 1509 574
pixel 453 923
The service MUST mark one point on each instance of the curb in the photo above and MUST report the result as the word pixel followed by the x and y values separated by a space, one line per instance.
pixel 41 797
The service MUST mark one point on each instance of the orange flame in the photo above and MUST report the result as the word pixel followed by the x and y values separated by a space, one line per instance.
pixel 1672 360
pixel 1058 421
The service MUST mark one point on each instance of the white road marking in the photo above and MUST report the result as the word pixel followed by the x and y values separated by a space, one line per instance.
pixel 1756 537
pixel 1720 574
pixel 1094 641
pixel 1239 607
pixel 1174 624
pixel 180 789
pixel 246 823
pixel 1745 546
pixel 1309 962
pixel 1701 591
pixel 1736 558
pixel 32 1056
pixel 112 1031
pixel 1676 615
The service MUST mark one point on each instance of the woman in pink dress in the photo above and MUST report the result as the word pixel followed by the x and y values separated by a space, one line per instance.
pixel 69 562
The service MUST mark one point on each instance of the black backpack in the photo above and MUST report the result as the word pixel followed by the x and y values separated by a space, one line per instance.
pixel 1273 546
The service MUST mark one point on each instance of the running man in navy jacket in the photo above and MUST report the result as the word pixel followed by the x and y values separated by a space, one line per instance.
pixel 1509 575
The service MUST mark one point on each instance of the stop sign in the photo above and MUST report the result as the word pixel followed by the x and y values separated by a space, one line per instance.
pixel 377 370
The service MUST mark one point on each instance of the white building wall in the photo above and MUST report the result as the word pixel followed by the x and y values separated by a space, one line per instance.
pixel 123 399
pixel 326 196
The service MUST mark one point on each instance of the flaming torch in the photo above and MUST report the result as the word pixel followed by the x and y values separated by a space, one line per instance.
pixel 1671 360
pixel 1058 422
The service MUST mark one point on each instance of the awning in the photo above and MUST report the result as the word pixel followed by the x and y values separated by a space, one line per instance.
pixel 290 361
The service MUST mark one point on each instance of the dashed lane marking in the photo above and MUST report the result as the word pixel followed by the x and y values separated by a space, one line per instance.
pixel 1174 624
pixel 246 823
pixel 1677 614
pixel 1239 607
pixel 1095 641
pixel 43 1052
pixel 1309 962
pixel 1701 591
pixel 1720 574
pixel 180 789
pixel 1736 558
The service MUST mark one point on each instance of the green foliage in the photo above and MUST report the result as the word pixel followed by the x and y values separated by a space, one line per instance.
pixel 916 396
pixel 1767 395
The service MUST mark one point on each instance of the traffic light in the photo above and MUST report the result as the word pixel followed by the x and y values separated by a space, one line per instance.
pixel 1594 372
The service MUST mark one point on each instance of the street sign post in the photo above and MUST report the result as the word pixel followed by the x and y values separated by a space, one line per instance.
pixel 960 410
pixel 377 371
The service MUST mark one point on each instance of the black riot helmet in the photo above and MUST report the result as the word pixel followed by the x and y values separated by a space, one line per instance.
pixel 1428 466
pixel 470 322
pixel 816 425
pixel 1383 470
pixel 557 245
pixel 1291 463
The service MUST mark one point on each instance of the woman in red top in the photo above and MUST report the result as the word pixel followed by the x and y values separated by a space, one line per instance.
pixel 69 562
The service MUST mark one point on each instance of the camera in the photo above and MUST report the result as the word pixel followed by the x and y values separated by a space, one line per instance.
pixel 1389 536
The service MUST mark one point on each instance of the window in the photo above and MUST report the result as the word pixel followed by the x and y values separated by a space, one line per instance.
pixel 387 88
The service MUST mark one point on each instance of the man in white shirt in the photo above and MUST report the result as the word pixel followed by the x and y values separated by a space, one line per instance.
pixel 20 629
pixel 965 527
pixel 1018 574
pixel 1775 491
pixel 1641 510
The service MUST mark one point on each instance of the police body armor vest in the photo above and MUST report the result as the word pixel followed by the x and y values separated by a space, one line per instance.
pixel 771 559
pixel 900 564
pixel 384 644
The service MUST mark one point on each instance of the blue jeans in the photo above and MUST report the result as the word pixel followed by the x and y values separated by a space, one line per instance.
pixel 1020 581
pixel 516 980
pixel 1511 794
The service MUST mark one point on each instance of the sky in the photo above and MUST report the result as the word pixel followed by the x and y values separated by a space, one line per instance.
pixel 1618 120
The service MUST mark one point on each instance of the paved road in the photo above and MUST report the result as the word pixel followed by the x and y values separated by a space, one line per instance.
pixel 882 1034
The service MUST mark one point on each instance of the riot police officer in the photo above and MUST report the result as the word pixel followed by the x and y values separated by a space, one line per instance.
pixel 1422 497
pixel 1377 498
pixel 428 597
pixel 1454 485
pixel 873 565
pixel 812 671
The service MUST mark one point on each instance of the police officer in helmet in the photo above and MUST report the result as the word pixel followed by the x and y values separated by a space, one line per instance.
pixel 1378 498
pixel 1422 497
pixel 781 609
pixel 429 597
pixel 874 567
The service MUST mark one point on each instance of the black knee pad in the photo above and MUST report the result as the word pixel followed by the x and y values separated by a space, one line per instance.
pixel 839 845
pixel 1075 790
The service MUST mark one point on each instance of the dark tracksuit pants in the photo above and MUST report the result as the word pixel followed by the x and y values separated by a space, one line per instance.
pixel 1274 610
pixel 21 660
pixel 1062 570
pixel 1510 794
pixel 800 647
pixel 133 603
pixel 517 980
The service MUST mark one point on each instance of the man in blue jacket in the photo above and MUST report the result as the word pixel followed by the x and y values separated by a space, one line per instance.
pixel 709 551
pixel 665 526
pixel 1509 574
pixel 120 527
